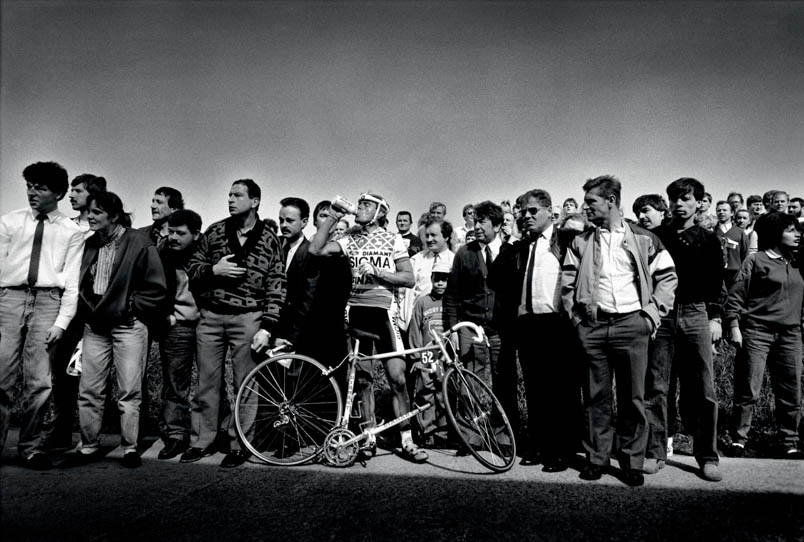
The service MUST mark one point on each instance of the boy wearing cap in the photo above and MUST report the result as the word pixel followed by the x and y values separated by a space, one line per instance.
pixel 427 317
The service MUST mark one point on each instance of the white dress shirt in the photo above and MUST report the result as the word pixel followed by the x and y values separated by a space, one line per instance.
pixel 59 262
pixel 422 264
pixel 617 290
pixel 292 251
pixel 546 279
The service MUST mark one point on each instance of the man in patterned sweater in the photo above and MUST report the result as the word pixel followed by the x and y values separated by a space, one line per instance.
pixel 238 278
pixel 380 264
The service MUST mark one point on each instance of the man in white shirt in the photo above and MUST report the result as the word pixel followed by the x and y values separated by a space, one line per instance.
pixel 467 227
pixel 40 259
pixel 617 282
pixel 528 314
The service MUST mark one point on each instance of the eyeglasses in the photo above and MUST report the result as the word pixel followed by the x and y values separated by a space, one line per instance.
pixel 532 211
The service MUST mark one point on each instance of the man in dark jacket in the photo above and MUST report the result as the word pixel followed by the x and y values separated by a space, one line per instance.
pixel 529 316
pixel 177 337
pixel 469 296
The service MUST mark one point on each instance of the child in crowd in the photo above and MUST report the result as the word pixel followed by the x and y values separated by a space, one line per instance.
pixel 427 317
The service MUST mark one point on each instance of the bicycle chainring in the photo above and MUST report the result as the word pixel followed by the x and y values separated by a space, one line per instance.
pixel 336 452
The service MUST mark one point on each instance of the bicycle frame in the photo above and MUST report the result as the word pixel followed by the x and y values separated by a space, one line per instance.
pixel 354 356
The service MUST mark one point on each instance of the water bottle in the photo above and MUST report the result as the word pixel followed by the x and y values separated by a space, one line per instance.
pixel 343 205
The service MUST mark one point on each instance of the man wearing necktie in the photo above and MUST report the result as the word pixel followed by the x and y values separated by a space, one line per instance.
pixel 40 258
pixel 531 321
pixel 469 296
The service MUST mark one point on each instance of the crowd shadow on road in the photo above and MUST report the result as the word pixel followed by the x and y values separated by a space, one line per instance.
pixel 443 500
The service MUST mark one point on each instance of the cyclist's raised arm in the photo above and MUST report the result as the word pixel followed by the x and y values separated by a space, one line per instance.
pixel 320 245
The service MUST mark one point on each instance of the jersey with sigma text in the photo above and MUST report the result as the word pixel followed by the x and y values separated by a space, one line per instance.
pixel 380 248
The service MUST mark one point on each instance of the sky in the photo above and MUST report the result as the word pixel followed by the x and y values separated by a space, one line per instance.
pixel 451 101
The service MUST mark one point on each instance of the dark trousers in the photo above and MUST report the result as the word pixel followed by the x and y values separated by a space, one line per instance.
pixel 548 355
pixel 778 347
pixel 177 353
pixel 65 387
pixel 683 345
pixel 615 346
pixel 506 378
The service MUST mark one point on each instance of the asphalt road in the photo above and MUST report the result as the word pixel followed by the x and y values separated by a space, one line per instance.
pixel 449 498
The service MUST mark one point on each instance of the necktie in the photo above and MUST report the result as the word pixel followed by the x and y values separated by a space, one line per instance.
pixel 36 250
pixel 529 284
pixel 488 259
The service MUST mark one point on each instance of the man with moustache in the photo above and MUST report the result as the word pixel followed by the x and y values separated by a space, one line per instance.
pixel 177 344
pixel 165 201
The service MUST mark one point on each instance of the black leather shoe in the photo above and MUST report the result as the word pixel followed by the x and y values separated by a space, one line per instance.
pixel 633 478
pixel 530 459
pixel 131 460
pixel 37 461
pixel 194 454
pixel 554 465
pixel 76 459
pixel 234 459
pixel 591 473
pixel 172 448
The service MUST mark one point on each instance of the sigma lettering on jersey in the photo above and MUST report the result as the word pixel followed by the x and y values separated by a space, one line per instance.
pixel 381 249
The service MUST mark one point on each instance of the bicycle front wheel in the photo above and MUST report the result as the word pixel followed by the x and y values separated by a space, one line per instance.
pixel 479 419
pixel 285 408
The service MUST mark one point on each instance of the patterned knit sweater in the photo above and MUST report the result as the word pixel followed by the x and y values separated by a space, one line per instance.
pixel 261 288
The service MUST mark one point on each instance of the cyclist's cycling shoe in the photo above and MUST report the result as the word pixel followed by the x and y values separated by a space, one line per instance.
pixel 411 452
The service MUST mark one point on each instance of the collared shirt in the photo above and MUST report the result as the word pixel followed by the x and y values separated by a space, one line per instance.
pixel 59 262
pixel 294 246
pixel 494 246
pixel 546 277
pixel 724 227
pixel 242 234
pixel 617 290
pixel 83 225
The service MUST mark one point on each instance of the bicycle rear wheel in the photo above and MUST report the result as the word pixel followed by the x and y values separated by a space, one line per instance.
pixel 285 408
pixel 479 419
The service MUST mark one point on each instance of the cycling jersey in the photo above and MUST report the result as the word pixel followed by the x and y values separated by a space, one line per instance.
pixel 382 249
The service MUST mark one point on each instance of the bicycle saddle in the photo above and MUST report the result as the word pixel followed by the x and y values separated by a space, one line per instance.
pixel 361 335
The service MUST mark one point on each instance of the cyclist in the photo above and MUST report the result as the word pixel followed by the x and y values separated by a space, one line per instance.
pixel 380 264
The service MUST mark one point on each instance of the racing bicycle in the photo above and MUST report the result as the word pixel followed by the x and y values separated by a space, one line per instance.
pixel 290 409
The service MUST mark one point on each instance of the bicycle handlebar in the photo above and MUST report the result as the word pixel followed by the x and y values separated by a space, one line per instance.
pixel 479 335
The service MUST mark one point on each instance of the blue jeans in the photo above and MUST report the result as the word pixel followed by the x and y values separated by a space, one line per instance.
pixel 216 334
pixel 177 352
pixel 780 348
pixel 683 343
pixel 126 346
pixel 615 346
pixel 26 315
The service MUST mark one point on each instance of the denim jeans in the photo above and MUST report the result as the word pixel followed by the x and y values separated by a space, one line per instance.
pixel 216 334
pixel 780 348
pixel 177 352
pixel 126 346
pixel 26 315
pixel 615 346
pixel 683 344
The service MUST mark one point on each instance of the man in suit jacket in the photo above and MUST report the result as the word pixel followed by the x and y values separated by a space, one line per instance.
pixel 468 295
pixel 301 270
pixel 529 316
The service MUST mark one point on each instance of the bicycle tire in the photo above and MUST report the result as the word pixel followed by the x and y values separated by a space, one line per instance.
pixel 285 409
pixel 478 418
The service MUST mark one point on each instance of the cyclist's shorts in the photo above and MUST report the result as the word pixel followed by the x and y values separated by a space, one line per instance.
pixel 379 322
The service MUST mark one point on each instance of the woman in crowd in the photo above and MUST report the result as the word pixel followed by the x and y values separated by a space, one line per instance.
pixel 121 289
pixel 764 312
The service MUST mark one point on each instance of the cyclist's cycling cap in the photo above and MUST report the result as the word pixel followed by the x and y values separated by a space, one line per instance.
pixel 376 198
